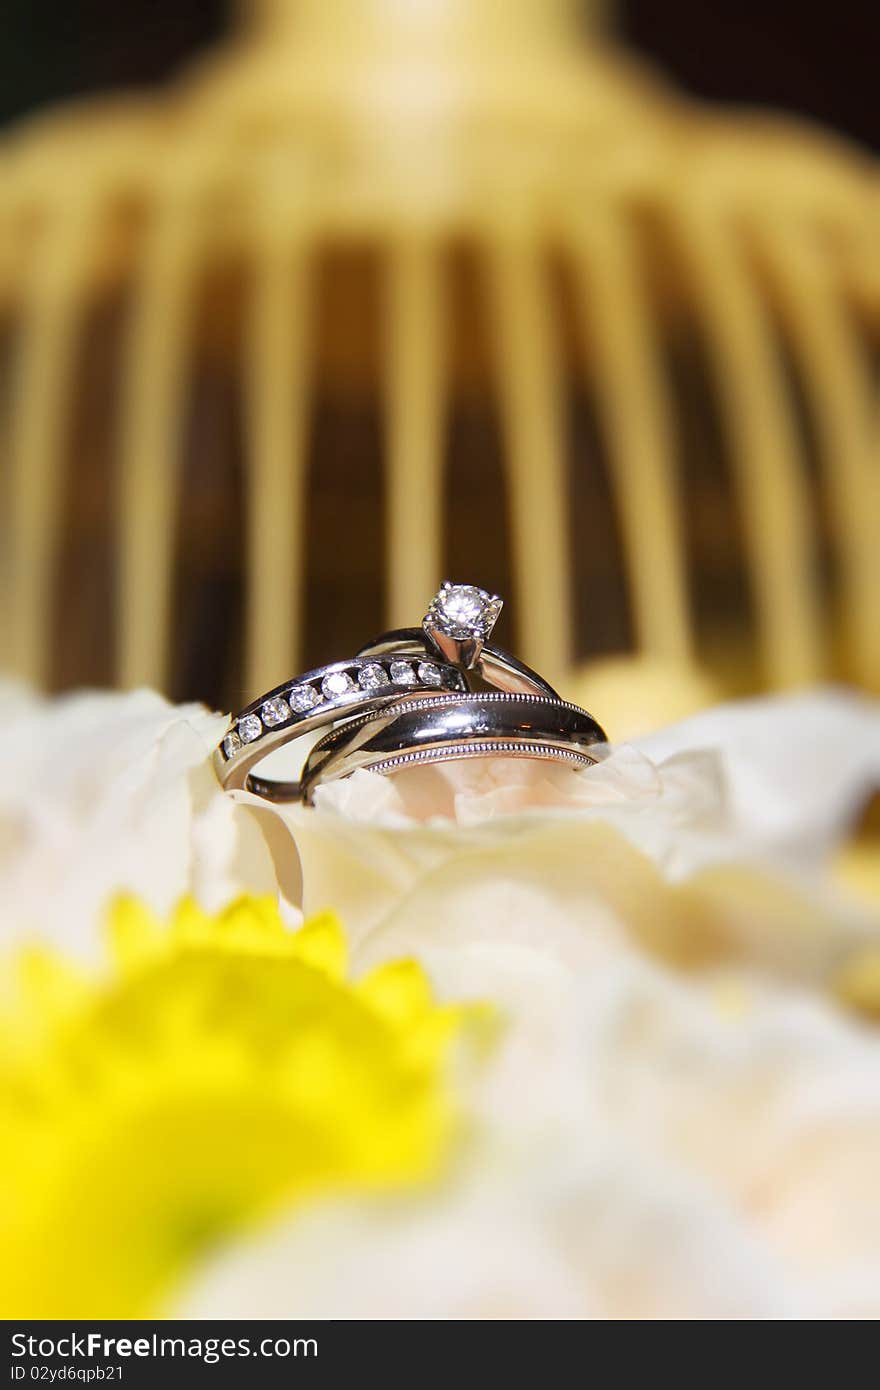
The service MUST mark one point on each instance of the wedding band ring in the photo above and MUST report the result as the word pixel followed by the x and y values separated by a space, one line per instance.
pixel 445 728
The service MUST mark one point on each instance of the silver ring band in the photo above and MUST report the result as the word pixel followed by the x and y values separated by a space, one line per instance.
pixel 445 728
pixel 342 690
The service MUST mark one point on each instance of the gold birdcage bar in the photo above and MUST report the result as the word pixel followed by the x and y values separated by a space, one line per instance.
pixel 416 132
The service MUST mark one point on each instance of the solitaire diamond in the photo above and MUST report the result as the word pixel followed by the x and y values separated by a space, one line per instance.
pixel 429 674
pixel 337 683
pixel 372 676
pixel 463 611
pixel 303 698
pixel 231 744
pixel 249 728
pixel 275 711
pixel 402 673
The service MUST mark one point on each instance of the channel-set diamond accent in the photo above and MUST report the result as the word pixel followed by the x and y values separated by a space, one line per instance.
pixel 336 684
pixel 368 678
pixel 303 698
pixel 373 676
pixel 403 673
pixel 429 674
pixel 275 711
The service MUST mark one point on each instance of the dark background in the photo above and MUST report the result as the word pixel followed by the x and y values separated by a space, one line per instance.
pixel 817 60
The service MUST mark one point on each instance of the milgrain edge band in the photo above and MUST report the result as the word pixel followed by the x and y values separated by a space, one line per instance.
pixel 445 728
pixel 340 691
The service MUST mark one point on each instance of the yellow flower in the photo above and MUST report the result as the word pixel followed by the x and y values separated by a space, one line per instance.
pixel 222 1068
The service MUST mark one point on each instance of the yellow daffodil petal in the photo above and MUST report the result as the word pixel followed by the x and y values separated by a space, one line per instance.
pixel 320 943
pixel 227 1075
pixel 135 932
pixel 399 991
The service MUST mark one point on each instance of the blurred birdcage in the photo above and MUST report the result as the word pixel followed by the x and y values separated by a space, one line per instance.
pixel 394 289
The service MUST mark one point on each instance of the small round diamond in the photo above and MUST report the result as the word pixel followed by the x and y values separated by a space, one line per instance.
pixel 275 711
pixel 372 676
pixel 429 674
pixel 402 673
pixel 303 698
pixel 231 744
pixel 249 728
pixel 336 684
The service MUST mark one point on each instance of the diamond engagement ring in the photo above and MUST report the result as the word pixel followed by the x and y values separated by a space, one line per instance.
pixel 447 728
pixel 411 696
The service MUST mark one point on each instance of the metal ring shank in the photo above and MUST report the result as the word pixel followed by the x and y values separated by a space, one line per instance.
pixel 445 728
pixel 497 667
pixel 310 702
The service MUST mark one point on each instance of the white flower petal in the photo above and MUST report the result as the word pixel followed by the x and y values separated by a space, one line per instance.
pixel 107 793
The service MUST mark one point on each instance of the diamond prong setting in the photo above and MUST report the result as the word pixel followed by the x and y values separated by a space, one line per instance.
pixel 463 612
